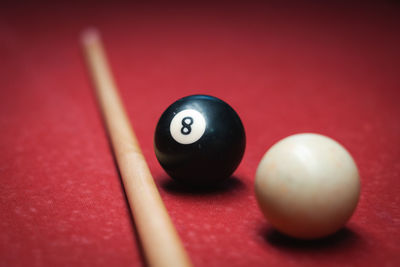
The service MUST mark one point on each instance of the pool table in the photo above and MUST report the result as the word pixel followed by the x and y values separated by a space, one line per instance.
pixel 286 67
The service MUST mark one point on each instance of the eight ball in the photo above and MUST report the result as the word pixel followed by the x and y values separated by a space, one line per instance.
pixel 199 140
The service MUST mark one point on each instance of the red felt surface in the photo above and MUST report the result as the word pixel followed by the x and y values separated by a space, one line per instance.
pixel 286 68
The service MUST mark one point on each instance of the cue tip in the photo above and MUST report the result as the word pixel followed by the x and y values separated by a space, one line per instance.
pixel 90 35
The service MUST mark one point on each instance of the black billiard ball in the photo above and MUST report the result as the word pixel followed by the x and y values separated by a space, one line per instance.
pixel 199 140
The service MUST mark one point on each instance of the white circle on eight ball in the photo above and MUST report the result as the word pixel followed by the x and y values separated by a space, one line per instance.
pixel 187 126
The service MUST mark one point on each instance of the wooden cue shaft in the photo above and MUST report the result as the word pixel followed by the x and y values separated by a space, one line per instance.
pixel 160 241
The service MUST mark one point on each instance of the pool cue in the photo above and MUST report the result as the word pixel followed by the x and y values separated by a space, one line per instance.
pixel 160 241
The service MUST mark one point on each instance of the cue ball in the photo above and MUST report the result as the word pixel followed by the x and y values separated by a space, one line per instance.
pixel 199 140
pixel 307 186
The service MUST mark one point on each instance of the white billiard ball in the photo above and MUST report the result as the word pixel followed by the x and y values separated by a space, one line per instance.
pixel 307 186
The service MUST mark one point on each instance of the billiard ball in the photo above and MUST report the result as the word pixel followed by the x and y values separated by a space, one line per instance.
pixel 199 140
pixel 307 186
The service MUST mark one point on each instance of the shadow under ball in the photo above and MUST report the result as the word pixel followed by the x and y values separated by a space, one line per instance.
pixel 199 140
